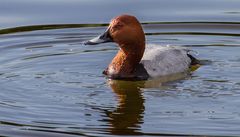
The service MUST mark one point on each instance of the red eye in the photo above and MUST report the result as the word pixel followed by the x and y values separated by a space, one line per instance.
pixel 118 26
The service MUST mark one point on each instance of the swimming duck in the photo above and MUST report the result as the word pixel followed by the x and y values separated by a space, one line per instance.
pixel 135 62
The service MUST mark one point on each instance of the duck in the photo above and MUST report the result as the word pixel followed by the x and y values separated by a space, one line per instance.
pixel 137 61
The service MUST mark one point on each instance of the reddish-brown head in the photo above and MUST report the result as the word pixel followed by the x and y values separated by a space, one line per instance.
pixel 124 30
pixel 127 31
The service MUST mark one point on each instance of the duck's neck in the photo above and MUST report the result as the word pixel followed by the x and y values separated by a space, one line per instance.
pixel 126 60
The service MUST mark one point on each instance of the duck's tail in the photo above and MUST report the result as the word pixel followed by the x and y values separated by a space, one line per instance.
pixel 195 63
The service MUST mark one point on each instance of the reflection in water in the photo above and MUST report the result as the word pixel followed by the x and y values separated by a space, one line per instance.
pixel 128 116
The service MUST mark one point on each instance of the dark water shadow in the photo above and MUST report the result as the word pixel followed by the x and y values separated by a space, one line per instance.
pixel 46 27
pixel 180 28
pixel 128 115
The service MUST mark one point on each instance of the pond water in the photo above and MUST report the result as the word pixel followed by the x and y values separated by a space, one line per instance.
pixel 52 85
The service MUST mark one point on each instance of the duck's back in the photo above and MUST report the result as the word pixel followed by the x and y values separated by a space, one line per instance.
pixel 162 61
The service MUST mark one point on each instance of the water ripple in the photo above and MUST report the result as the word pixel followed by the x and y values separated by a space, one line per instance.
pixel 53 86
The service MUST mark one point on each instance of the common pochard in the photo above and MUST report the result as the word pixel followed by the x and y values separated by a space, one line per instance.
pixel 135 60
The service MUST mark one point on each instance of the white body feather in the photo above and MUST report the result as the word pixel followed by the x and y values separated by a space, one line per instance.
pixel 162 61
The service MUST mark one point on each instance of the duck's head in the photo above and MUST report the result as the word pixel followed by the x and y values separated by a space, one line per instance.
pixel 125 30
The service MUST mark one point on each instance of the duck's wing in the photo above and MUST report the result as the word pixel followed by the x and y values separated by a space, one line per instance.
pixel 162 61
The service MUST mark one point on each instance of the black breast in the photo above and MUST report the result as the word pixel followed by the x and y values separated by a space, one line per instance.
pixel 140 73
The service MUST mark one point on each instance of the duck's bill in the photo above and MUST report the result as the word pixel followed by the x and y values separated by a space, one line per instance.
pixel 105 37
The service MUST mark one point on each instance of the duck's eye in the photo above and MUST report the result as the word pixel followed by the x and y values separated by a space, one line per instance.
pixel 118 26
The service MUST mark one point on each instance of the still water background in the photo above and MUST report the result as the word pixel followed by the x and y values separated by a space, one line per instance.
pixel 52 85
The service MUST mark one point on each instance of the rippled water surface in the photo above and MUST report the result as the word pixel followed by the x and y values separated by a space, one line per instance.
pixel 52 85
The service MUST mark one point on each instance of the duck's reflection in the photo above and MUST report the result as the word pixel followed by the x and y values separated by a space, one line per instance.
pixel 128 116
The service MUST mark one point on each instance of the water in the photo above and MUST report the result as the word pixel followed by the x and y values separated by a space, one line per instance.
pixel 51 85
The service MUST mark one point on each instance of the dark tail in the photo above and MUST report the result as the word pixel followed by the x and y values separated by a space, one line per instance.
pixel 194 61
